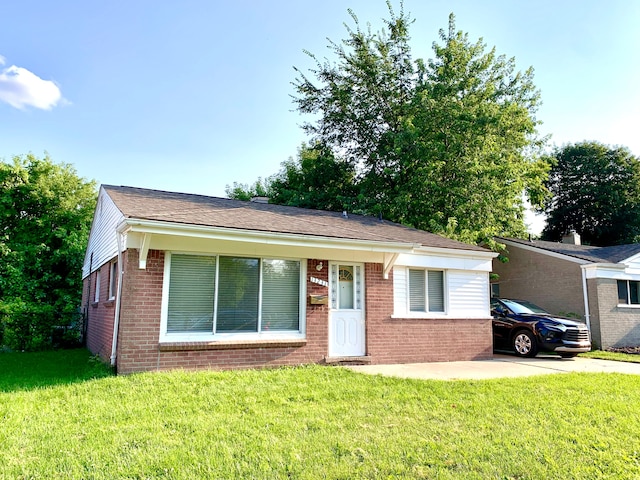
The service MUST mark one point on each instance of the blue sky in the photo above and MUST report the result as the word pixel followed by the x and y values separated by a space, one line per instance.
pixel 194 95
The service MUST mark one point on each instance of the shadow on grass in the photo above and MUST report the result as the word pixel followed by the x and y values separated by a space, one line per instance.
pixel 27 371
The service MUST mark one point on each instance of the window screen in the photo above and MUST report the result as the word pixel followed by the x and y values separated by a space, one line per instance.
pixel 239 280
pixel 280 295
pixel 426 290
pixel 191 293
pixel 417 291
pixel 436 291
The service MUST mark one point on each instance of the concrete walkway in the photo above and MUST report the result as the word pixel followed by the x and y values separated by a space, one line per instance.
pixel 499 366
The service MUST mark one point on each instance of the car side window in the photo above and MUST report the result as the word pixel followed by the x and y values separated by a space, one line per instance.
pixel 497 309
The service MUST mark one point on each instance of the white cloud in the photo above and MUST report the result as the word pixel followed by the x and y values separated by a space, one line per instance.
pixel 21 88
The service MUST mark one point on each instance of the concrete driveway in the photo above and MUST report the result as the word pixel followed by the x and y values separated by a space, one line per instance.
pixel 499 366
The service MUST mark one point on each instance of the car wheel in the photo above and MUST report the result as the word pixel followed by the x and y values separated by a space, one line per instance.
pixel 524 344
pixel 568 355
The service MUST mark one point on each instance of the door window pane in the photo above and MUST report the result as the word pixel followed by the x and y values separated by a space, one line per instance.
pixel 239 282
pixel 345 287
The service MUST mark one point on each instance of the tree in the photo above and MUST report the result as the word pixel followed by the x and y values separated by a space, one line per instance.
pixel 596 192
pixel 315 179
pixel 243 191
pixel 449 145
pixel 45 217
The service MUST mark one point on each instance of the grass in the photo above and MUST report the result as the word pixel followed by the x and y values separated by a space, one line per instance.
pixel 617 356
pixel 312 422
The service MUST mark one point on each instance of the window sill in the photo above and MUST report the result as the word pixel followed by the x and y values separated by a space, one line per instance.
pixel 230 345
pixel 95 304
pixel 628 305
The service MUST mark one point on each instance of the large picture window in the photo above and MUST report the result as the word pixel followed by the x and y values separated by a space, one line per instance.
pixel 225 295
pixel 426 290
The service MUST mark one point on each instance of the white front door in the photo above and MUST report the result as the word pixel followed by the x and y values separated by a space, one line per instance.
pixel 346 317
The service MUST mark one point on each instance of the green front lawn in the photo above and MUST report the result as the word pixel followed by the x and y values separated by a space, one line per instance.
pixel 617 356
pixel 311 422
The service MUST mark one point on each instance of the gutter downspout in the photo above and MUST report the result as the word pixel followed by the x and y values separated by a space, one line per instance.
pixel 585 294
pixel 116 319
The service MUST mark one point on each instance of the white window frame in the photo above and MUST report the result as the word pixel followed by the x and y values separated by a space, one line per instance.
pixel 96 294
pixel 427 312
pixel 402 299
pixel 113 279
pixel 628 303
pixel 166 337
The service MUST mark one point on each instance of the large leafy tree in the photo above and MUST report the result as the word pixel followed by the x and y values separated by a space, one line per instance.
pixel 596 192
pixel 314 179
pixel 45 217
pixel 448 145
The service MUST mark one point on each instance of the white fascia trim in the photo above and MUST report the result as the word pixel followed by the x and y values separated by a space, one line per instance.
pixel 452 252
pixel 533 248
pixel 594 266
pixel 631 259
pixel 250 236
pixel 605 270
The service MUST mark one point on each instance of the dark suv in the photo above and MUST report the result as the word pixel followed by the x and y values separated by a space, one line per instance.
pixel 526 329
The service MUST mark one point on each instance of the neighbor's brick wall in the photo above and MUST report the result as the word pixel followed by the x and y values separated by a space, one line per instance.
pixel 395 340
pixel 553 283
pixel 100 314
pixel 138 345
pixel 616 326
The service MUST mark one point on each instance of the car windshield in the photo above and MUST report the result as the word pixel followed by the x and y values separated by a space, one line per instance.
pixel 523 306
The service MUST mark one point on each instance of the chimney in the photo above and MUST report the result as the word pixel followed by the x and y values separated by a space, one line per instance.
pixel 571 238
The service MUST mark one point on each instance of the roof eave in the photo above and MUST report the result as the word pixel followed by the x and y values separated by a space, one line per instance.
pixel 488 254
pixel 544 251
pixel 276 238
pixel 593 266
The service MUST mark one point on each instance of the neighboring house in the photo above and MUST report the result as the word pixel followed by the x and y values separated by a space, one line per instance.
pixel 601 285
pixel 173 280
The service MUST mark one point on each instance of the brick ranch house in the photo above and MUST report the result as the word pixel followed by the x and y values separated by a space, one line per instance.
pixel 174 280
pixel 601 285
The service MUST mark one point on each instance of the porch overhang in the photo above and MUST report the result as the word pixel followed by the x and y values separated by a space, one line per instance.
pixel 144 235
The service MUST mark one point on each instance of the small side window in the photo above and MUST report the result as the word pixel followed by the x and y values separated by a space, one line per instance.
pixel 113 279
pixel 96 294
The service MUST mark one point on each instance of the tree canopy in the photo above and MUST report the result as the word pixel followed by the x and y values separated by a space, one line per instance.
pixel 45 217
pixel 448 145
pixel 596 192
pixel 315 179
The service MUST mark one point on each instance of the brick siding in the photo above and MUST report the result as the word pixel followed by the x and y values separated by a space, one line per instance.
pixel 139 349
pixel 388 340
pixel 612 326
pixel 99 314
pixel 398 340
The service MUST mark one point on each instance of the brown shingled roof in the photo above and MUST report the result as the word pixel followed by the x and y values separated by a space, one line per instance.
pixel 189 209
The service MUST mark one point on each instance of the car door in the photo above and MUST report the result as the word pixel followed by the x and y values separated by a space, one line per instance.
pixel 502 325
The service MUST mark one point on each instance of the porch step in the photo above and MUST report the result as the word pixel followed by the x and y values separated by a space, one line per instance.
pixel 364 360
